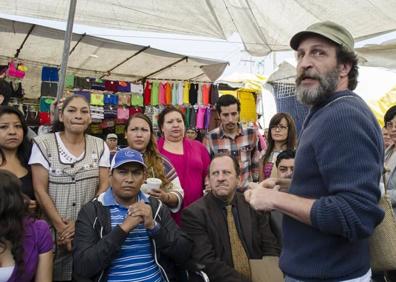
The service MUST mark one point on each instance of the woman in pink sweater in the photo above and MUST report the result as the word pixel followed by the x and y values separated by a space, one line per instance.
pixel 189 157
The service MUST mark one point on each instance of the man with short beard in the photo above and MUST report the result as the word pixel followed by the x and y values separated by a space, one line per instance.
pixel 233 139
pixel 332 205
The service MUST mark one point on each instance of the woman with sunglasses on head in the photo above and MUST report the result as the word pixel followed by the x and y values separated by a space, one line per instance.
pixel 140 136
pixel 15 150
pixel 69 168
pixel 281 136
pixel 25 243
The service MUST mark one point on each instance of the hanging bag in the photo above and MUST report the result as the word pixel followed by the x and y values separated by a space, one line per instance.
pixel 383 240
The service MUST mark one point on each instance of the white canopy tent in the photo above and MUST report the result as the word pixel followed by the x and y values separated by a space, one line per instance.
pixel 98 57
pixel 381 55
pixel 263 25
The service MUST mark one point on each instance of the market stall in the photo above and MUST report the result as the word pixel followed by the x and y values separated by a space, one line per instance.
pixel 117 78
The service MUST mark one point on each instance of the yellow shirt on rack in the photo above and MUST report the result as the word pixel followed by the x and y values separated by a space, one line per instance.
pixel 186 92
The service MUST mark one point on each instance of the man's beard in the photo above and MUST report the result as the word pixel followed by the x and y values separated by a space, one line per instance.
pixel 315 95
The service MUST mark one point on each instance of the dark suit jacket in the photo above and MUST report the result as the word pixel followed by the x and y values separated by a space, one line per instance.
pixel 205 221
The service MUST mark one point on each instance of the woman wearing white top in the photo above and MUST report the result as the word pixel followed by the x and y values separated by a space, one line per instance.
pixel 69 167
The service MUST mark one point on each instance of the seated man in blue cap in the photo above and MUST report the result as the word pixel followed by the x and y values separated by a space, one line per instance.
pixel 124 236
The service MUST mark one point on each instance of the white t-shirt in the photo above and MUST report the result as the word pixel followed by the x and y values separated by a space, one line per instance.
pixel 6 272
pixel 66 157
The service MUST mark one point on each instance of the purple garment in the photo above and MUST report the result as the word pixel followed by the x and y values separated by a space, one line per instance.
pixel 207 118
pixel 191 167
pixel 37 240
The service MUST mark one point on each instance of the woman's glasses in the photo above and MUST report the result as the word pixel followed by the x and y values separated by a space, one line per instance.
pixel 279 127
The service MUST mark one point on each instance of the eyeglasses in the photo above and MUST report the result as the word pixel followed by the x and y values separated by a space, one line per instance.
pixel 279 127
pixel 390 125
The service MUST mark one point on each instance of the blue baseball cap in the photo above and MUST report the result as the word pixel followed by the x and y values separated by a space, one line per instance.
pixel 127 155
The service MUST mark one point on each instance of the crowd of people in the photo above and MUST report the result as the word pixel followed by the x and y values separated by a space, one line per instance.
pixel 74 207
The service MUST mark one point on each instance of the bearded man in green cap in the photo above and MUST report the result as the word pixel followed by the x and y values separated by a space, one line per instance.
pixel 332 205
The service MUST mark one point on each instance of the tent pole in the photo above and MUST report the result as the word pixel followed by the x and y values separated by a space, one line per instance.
pixel 66 48
pixel 126 60
pixel 164 68
pixel 24 41
pixel 78 42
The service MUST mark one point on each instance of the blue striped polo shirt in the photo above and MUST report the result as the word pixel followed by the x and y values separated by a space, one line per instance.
pixel 135 261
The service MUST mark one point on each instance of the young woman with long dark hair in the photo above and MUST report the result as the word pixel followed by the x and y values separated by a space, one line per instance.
pixel 140 136
pixel 15 149
pixel 282 135
pixel 25 243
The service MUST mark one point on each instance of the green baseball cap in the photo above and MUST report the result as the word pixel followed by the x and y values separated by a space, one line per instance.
pixel 330 30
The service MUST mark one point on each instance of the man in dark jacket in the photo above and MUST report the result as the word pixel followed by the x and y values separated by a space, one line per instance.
pixel 124 236
pixel 226 231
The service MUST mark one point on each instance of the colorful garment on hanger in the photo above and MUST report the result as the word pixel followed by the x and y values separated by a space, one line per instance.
pixel 207 117
pixel 147 93
pixel 111 85
pixel 122 113
pixel 110 99
pixel 175 94
pixel 161 93
pixel 168 93
pixel 82 82
pixel 97 99
pixel 214 94
pixel 186 92
pixel 97 84
pixel 135 110
pixel 137 99
pixel 45 104
pixel 201 117
pixel 248 106
pixel 97 112
pixel 17 90
pixel 45 118
pixel 137 88
pixel 180 91
pixel 199 97
pixel 193 116
pixel 124 99
pixel 110 111
pixel 205 94
pixel 123 86
pixel 154 93
pixel 187 117
pixel 49 74
pixel 49 88
pixel 69 81
pixel 193 94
